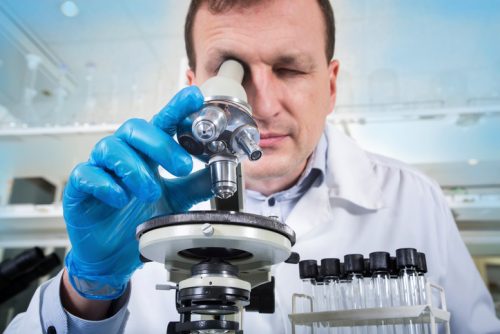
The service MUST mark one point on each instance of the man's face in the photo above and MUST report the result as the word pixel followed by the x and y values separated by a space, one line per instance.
pixel 289 82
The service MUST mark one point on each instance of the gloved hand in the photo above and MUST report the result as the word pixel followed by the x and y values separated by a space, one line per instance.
pixel 119 188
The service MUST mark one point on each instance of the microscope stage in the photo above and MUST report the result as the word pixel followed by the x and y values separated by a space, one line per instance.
pixel 245 240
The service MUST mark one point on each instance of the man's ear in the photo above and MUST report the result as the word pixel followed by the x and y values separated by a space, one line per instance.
pixel 191 77
pixel 333 69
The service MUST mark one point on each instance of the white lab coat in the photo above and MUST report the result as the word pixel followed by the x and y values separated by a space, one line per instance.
pixel 366 203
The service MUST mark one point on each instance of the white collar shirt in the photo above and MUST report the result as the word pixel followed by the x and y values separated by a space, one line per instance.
pixel 280 204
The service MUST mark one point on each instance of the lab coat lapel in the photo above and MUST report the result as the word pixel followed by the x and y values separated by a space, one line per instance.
pixel 350 175
pixel 311 210
pixel 349 180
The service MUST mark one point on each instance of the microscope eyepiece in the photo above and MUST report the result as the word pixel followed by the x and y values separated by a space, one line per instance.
pixel 223 131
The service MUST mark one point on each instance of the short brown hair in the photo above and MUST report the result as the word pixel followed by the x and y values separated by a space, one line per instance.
pixel 221 6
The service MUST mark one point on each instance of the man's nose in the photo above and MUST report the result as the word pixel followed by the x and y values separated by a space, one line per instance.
pixel 263 94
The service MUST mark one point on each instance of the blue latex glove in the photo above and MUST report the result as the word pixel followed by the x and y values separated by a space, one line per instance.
pixel 119 188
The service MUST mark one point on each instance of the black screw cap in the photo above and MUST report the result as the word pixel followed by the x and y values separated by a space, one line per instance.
pixel 406 257
pixel 353 263
pixel 367 270
pixel 342 271
pixel 380 261
pixel 422 263
pixel 308 269
pixel 330 267
pixel 393 268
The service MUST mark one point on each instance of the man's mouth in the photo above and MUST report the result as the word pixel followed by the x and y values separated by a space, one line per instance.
pixel 270 139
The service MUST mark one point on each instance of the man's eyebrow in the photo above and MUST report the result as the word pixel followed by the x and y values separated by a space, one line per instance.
pixel 285 59
pixel 294 59
pixel 218 58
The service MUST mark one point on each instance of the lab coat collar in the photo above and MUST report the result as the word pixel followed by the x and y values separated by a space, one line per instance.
pixel 350 173
pixel 349 177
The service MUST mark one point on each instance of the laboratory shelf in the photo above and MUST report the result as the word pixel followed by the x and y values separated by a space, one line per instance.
pixel 21 217
pixel 57 130
pixel 30 211
pixel 32 225
pixel 49 152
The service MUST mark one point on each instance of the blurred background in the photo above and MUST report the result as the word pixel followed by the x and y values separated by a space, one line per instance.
pixel 419 81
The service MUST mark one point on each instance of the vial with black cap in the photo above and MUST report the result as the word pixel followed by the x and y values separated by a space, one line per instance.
pixel 381 281
pixel 381 285
pixel 330 270
pixel 353 267
pixel 308 271
pixel 407 261
pixel 422 287
pixel 355 293
pixel 343 287
pixel 422 280
pixel 367 274
pixel 394 275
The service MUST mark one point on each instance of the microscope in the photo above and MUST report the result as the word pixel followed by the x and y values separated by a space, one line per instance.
pixel 219 260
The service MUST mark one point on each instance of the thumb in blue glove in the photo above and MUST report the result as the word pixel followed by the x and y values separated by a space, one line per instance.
pixel 119 188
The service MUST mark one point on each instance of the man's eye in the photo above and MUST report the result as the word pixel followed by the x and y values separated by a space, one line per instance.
pixel 288 71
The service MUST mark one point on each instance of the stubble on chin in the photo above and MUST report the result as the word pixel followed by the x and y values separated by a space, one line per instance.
pixel 273 168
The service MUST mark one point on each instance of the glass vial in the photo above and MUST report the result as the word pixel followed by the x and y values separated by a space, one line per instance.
pixel 308 272
pixel 407 260
pixel 354 267
pixel 330 270
pixel 381 286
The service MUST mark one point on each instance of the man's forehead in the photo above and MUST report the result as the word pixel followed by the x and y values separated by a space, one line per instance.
pixel 272 32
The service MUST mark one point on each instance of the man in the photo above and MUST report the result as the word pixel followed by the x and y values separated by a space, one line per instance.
pixel 338 198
